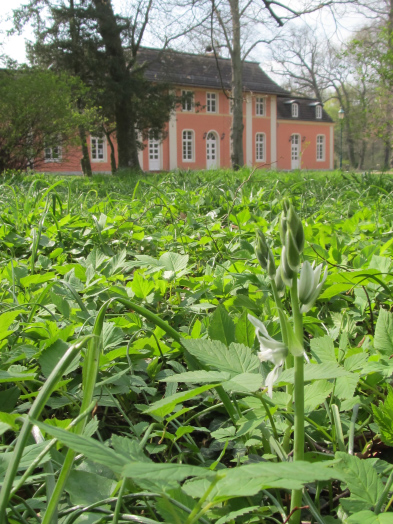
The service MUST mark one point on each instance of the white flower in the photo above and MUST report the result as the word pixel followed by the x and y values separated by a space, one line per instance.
pixel 271 350
pixel 309 286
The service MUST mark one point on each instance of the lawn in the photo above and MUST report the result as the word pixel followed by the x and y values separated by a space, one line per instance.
pixel 130 384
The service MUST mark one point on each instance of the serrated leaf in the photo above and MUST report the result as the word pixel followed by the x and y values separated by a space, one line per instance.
pixel 173 261
pixel 383 339
pixel 198 377
pixel 322 349
pixel 369 517
pixel 222 327
pixel 87 488
pixel 328 370
pixel 383 415
pixel 361 478
pixel 141 286
pixel 232 515
pixel 163 407
pixel 215 355
pixel 168 472
pixel 315 394
pixel 244 383
pixel 245 331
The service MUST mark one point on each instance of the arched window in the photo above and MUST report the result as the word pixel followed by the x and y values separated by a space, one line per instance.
pixel 320 148
pixel 295 110
pixel 260 147
pixel 318 111
pixel 188 145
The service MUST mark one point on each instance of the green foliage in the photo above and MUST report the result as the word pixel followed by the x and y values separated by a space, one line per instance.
pixel 183 430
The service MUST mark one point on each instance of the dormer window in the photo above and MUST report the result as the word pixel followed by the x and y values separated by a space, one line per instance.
pixel 318 111
pixel 295 110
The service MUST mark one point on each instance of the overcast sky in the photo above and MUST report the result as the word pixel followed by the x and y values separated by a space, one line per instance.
pixel 14 46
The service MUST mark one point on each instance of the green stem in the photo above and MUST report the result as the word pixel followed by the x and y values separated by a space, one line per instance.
pixel 296 499
pixel 384 494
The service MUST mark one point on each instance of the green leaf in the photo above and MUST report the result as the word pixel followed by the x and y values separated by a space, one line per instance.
pixel 163 407
pixel 334 290
pixel 89 447
pixel 369 517
pixel 141 286
pixel 245 331
pixel 328 370
pixel 222 327
pixel 244 383
pixel 361 478
pixel 383 339
pixel 87 488
pixel 214 354
pixel 198 377
pixel 37 279
pixel 167 472
pixel 232 515
pixel 383 415
pixel 6 319
pixel 315 394
pixel 173 262
pixel 322 349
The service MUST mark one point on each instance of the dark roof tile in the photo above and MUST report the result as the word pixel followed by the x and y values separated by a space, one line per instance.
pixel 307 109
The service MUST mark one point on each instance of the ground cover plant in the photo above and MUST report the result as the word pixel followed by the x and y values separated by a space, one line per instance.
pixel 161 362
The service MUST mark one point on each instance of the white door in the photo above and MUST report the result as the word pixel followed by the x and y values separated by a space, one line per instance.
pixel 211 151
pixel 295 152
pixel 154 155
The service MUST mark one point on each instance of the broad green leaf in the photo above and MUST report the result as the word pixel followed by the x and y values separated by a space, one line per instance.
pixel 244 383
pixel 37 279
pixel 361 478
pixel 326 371
pixel 215 355
pixel 383 339
pixel 173 261
pixel 232 515
pixel 334 290
pixel 87 488
pixel 322 349
pixel 222 327
pixel 316 393
pixel 383 415
pixel 163 407
pixel 141 286
pixel 346 386
pixel 198 377
pixel 6 319
pixel 89 447
pixel 245 331
pixel 369 517
pixel 151 470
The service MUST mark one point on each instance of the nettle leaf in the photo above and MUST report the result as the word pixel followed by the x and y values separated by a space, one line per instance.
pixel 322 349
pixel 361 478
pixel 222 327
pixel 383 339
pixel 328 370
pixel 163 407
pixel 214 354
pixel 316 393
pixel 383 415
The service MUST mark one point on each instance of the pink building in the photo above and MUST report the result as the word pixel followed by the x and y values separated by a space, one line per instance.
pixel 280 131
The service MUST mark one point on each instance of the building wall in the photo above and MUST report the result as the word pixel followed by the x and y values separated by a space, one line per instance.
pixel 308 132
pixel 277 139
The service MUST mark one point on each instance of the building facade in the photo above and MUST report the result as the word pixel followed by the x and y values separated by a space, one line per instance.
pixel 280 131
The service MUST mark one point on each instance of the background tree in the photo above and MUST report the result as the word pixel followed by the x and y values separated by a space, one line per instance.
pixel 87 39
pixel 37 111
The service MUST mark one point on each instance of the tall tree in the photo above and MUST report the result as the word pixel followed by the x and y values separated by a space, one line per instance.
pixel 87 38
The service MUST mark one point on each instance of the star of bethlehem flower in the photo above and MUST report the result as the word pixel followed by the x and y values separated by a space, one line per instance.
pixel 309 287
pixel 271 350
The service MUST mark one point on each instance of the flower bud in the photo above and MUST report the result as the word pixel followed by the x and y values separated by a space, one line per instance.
pixel 286 272
pixel 264 254
pixel 309 287
pixel 296 227
pixel 280 284
pixel 292 252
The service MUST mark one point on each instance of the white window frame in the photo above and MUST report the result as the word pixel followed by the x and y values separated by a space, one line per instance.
pixel 257 142
pixel 295 110
pixel 185 142
pixel 210 98
pixel 318 112
pixel 321 148
pixel 260 106
pixel 187 105
pixel 48 154
pixel 104 149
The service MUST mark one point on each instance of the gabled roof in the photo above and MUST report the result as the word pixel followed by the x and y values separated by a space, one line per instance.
pixel 187 69
pixel 307 109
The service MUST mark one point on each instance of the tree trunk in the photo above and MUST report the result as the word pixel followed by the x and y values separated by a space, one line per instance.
pixel 237 89
pixel 121 78
pixel 388 147
pixel 85 160
pixel 113 158
pixel 362 155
